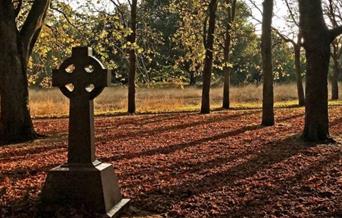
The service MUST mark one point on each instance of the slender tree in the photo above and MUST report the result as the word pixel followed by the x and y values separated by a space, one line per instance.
pixel 317 40
pixel 129 21
pixel 298 68
pixel 208 62
pixel 332 10
pixel 296 41
pixel 297 47
pixel 336 57
pixel 266 51
pixel 132 58
pixel 226 50
pixel 16 45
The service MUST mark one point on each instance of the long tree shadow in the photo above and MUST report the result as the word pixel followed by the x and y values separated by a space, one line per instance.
pixel 151 117
pixel 55 150
pixel 271 153
pixel 336 122
pixel 165 117
pixel 192 167
pixel 290 117
pixel 25 172
pixel 175 147
pixel 55 142
pixel 176 127
pixel 141 120
pixel 49 142
pixel 170 149
pixel 281 188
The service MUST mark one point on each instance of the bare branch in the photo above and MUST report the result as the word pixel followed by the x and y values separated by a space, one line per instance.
pixel 291 13
pixel 275 30
pixel 283 37
pixel 64 15
pixel 255 6
pixel 118 6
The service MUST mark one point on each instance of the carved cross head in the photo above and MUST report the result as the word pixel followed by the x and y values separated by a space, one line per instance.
pixel 81 75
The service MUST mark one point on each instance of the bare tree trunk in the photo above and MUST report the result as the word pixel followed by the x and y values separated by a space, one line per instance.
pixel 132 60
pixel 334 80
pixel 300 89
pixel 16 47
pixel 316 116
pixel 317 45
pixel 209 45
pixel 226 69
pixel 226 51
pixel 266 51
pixel 15 121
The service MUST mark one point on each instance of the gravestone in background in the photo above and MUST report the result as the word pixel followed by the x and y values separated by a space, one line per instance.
pixel 83 181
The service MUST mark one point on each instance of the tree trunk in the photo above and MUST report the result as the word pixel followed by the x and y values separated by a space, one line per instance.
pixel 132 60
pixel 300 89
pixel 226 69
pixel 317 45
pixel 192 80
pixel 334 80
pixel 15 121
pixel 266 51
pixel 205 108
pixel 226 51
pixel 16 47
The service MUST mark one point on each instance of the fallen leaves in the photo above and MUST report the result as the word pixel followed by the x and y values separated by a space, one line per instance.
pixel 189 165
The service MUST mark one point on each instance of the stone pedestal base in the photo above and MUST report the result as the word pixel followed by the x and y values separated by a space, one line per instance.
pixel 94 187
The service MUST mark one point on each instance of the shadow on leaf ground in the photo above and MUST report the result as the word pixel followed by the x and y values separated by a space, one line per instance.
pixel 230 181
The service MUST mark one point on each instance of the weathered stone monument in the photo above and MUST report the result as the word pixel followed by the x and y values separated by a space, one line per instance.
pixel 83 180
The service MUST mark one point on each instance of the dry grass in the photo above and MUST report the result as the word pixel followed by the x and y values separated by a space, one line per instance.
pixel 51 103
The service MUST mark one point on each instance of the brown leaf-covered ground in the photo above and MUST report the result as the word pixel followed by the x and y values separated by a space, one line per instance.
pixel 190 165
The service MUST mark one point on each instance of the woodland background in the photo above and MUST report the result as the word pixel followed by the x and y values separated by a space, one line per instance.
pixel 170 48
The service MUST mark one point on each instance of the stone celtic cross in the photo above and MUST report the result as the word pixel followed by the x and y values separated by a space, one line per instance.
pixel 81 78
pixel 83 181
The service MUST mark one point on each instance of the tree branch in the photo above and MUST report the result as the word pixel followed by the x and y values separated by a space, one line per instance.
pixel 64 15
pixel 335 33
pixel 255 6
pixel 283 37
pixel 118 6
pixel 291 13
pixel 276 31
pixel 33 24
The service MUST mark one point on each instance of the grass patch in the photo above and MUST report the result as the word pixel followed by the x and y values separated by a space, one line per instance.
pixel 51 103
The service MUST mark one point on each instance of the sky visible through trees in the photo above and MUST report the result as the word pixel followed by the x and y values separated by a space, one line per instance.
pixel 278 20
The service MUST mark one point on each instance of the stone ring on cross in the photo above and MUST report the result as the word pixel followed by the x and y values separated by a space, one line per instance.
pixel 81 75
